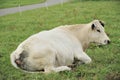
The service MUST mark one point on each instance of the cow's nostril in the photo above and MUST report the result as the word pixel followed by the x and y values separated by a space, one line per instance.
pixel 108 41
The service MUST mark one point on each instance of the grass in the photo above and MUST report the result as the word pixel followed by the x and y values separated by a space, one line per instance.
pixel 16 3
pixel 15 28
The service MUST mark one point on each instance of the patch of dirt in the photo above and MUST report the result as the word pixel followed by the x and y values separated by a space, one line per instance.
pixel 113 76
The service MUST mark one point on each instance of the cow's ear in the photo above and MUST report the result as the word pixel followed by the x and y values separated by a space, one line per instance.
pixel 102 23
pixel 93 26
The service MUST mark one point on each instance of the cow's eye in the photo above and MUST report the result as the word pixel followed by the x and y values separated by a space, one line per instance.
pixel 98 30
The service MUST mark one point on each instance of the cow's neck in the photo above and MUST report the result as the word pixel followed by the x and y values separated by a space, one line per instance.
pixel 82 34
pixel 83 37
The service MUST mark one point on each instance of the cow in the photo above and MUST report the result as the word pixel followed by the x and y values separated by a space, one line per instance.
pixel 54 50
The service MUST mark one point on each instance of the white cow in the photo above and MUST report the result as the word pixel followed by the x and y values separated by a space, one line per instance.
pixel 54 50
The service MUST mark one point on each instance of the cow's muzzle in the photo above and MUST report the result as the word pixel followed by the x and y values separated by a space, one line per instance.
pixel 107 41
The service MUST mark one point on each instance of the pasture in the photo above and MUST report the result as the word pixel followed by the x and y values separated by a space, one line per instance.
pixel 17 27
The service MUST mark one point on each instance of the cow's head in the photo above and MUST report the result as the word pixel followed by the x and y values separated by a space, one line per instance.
pixel 97 33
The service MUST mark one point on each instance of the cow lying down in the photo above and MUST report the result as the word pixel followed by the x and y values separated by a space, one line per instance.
pixel 54 50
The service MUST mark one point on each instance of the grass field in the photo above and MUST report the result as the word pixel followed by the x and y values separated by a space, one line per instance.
pixel 15 3
pixel 106 60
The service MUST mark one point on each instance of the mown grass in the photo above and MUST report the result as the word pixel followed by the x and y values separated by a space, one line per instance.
pixel 106 60
pixel 16 3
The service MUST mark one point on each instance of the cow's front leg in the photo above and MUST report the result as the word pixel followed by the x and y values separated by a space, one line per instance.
pixel 83 57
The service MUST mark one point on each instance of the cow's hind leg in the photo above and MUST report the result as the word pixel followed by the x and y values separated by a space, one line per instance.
pixel 56 69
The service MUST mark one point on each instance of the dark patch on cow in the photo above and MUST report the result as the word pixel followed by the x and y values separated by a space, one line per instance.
pixel 98 31
pixel 24 64
pixel 102 23
pixel 21 60
pixel 23 55
pixel 93 26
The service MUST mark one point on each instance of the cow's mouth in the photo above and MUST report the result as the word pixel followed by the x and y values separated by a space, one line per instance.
pixel 99 44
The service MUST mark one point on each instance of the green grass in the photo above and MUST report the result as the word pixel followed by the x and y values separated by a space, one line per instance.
pixel 16 3
pixel 106 60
